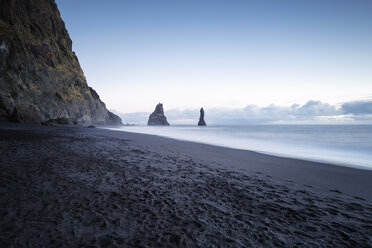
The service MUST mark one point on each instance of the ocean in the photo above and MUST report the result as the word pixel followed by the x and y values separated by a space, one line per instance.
pixel 347 145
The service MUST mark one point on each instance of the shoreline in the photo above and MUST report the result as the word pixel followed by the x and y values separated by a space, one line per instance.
pixel 329 174
pixel 333 160
pixel 285 168
pixel 71 186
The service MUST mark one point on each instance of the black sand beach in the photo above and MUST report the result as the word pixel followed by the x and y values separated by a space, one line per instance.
pixel 76 187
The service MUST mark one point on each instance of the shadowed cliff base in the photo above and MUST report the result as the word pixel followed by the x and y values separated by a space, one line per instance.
pixel 41 78
pixel 71 187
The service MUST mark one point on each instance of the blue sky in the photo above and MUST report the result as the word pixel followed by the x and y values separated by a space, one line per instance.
pixel 222 54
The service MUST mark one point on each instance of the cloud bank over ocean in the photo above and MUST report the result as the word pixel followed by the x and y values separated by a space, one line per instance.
pixel 358 108
pixel 312 112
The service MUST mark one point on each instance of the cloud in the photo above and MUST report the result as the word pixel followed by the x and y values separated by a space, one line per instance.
pixel 316 108
pixel 357 108
pixel 312 112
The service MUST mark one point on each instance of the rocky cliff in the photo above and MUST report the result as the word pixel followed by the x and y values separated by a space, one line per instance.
pixel 40 76
pixel 201 118
pixel 157 118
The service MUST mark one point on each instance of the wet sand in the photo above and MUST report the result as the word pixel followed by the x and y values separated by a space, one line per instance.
pixel 74 186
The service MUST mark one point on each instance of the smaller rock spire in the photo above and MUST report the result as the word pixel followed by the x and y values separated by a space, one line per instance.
pixel 201 119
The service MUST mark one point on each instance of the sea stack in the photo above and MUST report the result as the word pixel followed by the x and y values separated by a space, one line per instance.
pixel 157 118
pixel 201 118
pixel 40 76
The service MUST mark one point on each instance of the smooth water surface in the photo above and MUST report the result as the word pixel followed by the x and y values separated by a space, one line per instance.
pixel 349 145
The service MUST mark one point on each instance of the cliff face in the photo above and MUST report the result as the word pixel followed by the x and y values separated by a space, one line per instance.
pixel 40 75
pixel 157 118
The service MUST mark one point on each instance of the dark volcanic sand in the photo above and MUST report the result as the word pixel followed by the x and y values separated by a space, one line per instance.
pixel 70 186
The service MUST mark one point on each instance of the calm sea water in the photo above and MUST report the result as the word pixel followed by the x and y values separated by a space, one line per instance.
pixel 349 145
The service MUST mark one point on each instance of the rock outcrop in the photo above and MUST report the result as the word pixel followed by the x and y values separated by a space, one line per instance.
pixel 201 118
pixel 157 118
pixel 40 76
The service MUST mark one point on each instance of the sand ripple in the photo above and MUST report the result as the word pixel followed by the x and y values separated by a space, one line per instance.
pixel 72 189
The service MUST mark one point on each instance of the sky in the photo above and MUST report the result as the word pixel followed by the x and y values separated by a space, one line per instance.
pixel 223 54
